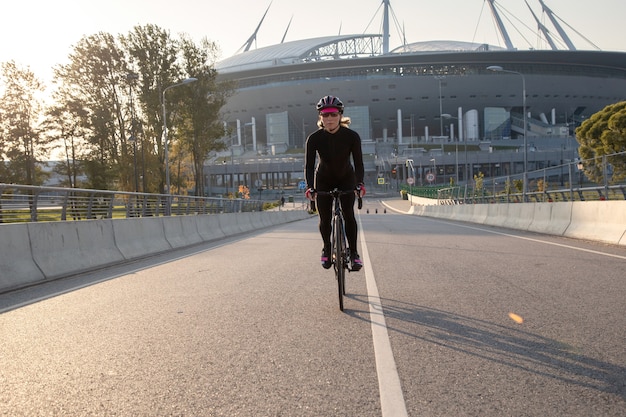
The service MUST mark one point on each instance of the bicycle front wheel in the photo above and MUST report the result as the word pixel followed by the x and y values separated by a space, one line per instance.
pixel 340 267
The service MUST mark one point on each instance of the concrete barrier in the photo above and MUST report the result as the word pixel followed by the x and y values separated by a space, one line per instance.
pixel 34 252
pixel 602 221
pixel 496 214
pixel 518 216
pixel 422 201
pixel 17 267
pixel 267 218
pixel 479 213
pixel 209 228
pixel 447 211
pixel 181 231
pixel 463 212
pixel 229 223
pixel 278 217
pixel 258 220
pixel 418 210
pixel 140 237
pixel 550 218
pixel 64 248
pixel 245 222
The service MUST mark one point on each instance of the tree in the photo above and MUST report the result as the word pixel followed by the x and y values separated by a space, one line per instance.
pixel 92 88
pixel 155 58
pixel 208 96
pixel 244 192
pixel 479 182
pixel 65 125
pixel 603 134
pixel 20 141
pixel 542 186
pixel 108 106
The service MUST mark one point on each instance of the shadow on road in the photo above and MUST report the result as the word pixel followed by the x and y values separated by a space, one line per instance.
pixel 505 345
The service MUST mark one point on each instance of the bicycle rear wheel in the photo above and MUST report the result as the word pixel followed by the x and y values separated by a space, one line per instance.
pixel 340 267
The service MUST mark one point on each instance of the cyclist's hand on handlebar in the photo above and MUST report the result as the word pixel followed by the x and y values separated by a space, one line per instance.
pixel 310 194
pixel 360 190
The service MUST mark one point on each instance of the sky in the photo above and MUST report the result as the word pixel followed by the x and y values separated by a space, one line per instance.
pixel 40 34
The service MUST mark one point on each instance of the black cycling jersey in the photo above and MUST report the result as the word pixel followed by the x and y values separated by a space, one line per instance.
pixel 334 169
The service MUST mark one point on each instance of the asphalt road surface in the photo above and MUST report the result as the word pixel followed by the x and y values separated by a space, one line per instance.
pixel 446 319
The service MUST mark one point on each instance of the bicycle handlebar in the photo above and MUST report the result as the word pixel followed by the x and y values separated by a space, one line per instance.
pixel 336 193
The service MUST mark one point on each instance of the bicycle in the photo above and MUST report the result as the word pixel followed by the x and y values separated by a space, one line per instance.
pixel 339 250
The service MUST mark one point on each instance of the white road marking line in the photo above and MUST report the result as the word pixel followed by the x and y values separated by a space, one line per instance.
pixel 389 386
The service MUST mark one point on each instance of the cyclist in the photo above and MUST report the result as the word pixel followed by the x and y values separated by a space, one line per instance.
pixel 333 144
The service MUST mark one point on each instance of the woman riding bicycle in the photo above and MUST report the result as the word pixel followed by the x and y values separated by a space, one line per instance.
pixel 334 143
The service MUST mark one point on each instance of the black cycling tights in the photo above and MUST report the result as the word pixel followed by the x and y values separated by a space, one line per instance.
pixel 325 210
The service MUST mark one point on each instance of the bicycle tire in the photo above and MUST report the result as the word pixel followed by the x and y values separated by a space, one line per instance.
pixel 340 268
pixel 345 257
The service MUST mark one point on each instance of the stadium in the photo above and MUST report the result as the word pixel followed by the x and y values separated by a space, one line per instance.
pixel 453 108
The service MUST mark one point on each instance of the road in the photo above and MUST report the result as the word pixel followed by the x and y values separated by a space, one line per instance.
pixel 250 326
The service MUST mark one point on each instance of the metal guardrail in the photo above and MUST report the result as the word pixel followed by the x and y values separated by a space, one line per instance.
pixel 464 195
pixel 566 182
pixel 24 203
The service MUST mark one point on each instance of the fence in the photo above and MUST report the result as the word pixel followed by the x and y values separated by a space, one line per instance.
pixel 24 203
pixel 566 182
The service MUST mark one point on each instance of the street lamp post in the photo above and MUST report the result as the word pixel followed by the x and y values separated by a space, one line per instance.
pixel 456 147
pixel 440 78
pixel 434 169
pixel 166 144
pixel 497 68
pixel 132 78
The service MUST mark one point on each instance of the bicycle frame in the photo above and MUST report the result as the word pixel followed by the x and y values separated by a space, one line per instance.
pixel 339 243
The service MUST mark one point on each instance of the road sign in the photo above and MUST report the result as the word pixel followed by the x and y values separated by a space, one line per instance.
pixel 430 177
pixel 410 180
pixel 301 185
pixel 381 181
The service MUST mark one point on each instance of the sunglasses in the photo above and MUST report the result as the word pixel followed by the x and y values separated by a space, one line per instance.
pixel 325 115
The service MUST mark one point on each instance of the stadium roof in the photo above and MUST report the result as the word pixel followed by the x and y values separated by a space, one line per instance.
pixel 366 45
pixel 335 47
pixel 445 46
pixel 315 49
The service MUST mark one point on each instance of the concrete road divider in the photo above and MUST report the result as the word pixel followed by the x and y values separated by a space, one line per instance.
pixel 229 223
pixel 550 218
pixel 140 237
pixel 496 214
pixel 261 218
pixel 35 252
pixel 209 228
pixel 181 231
pixel 603 221
pixel 517 216
pixel 246 223
pixel 17 267
pixel 65 248
pixel 479 213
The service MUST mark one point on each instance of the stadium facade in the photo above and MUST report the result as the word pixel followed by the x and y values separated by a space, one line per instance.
pixel 415 101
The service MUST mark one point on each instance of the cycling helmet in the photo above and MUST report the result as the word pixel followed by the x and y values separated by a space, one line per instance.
pixel 328 102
